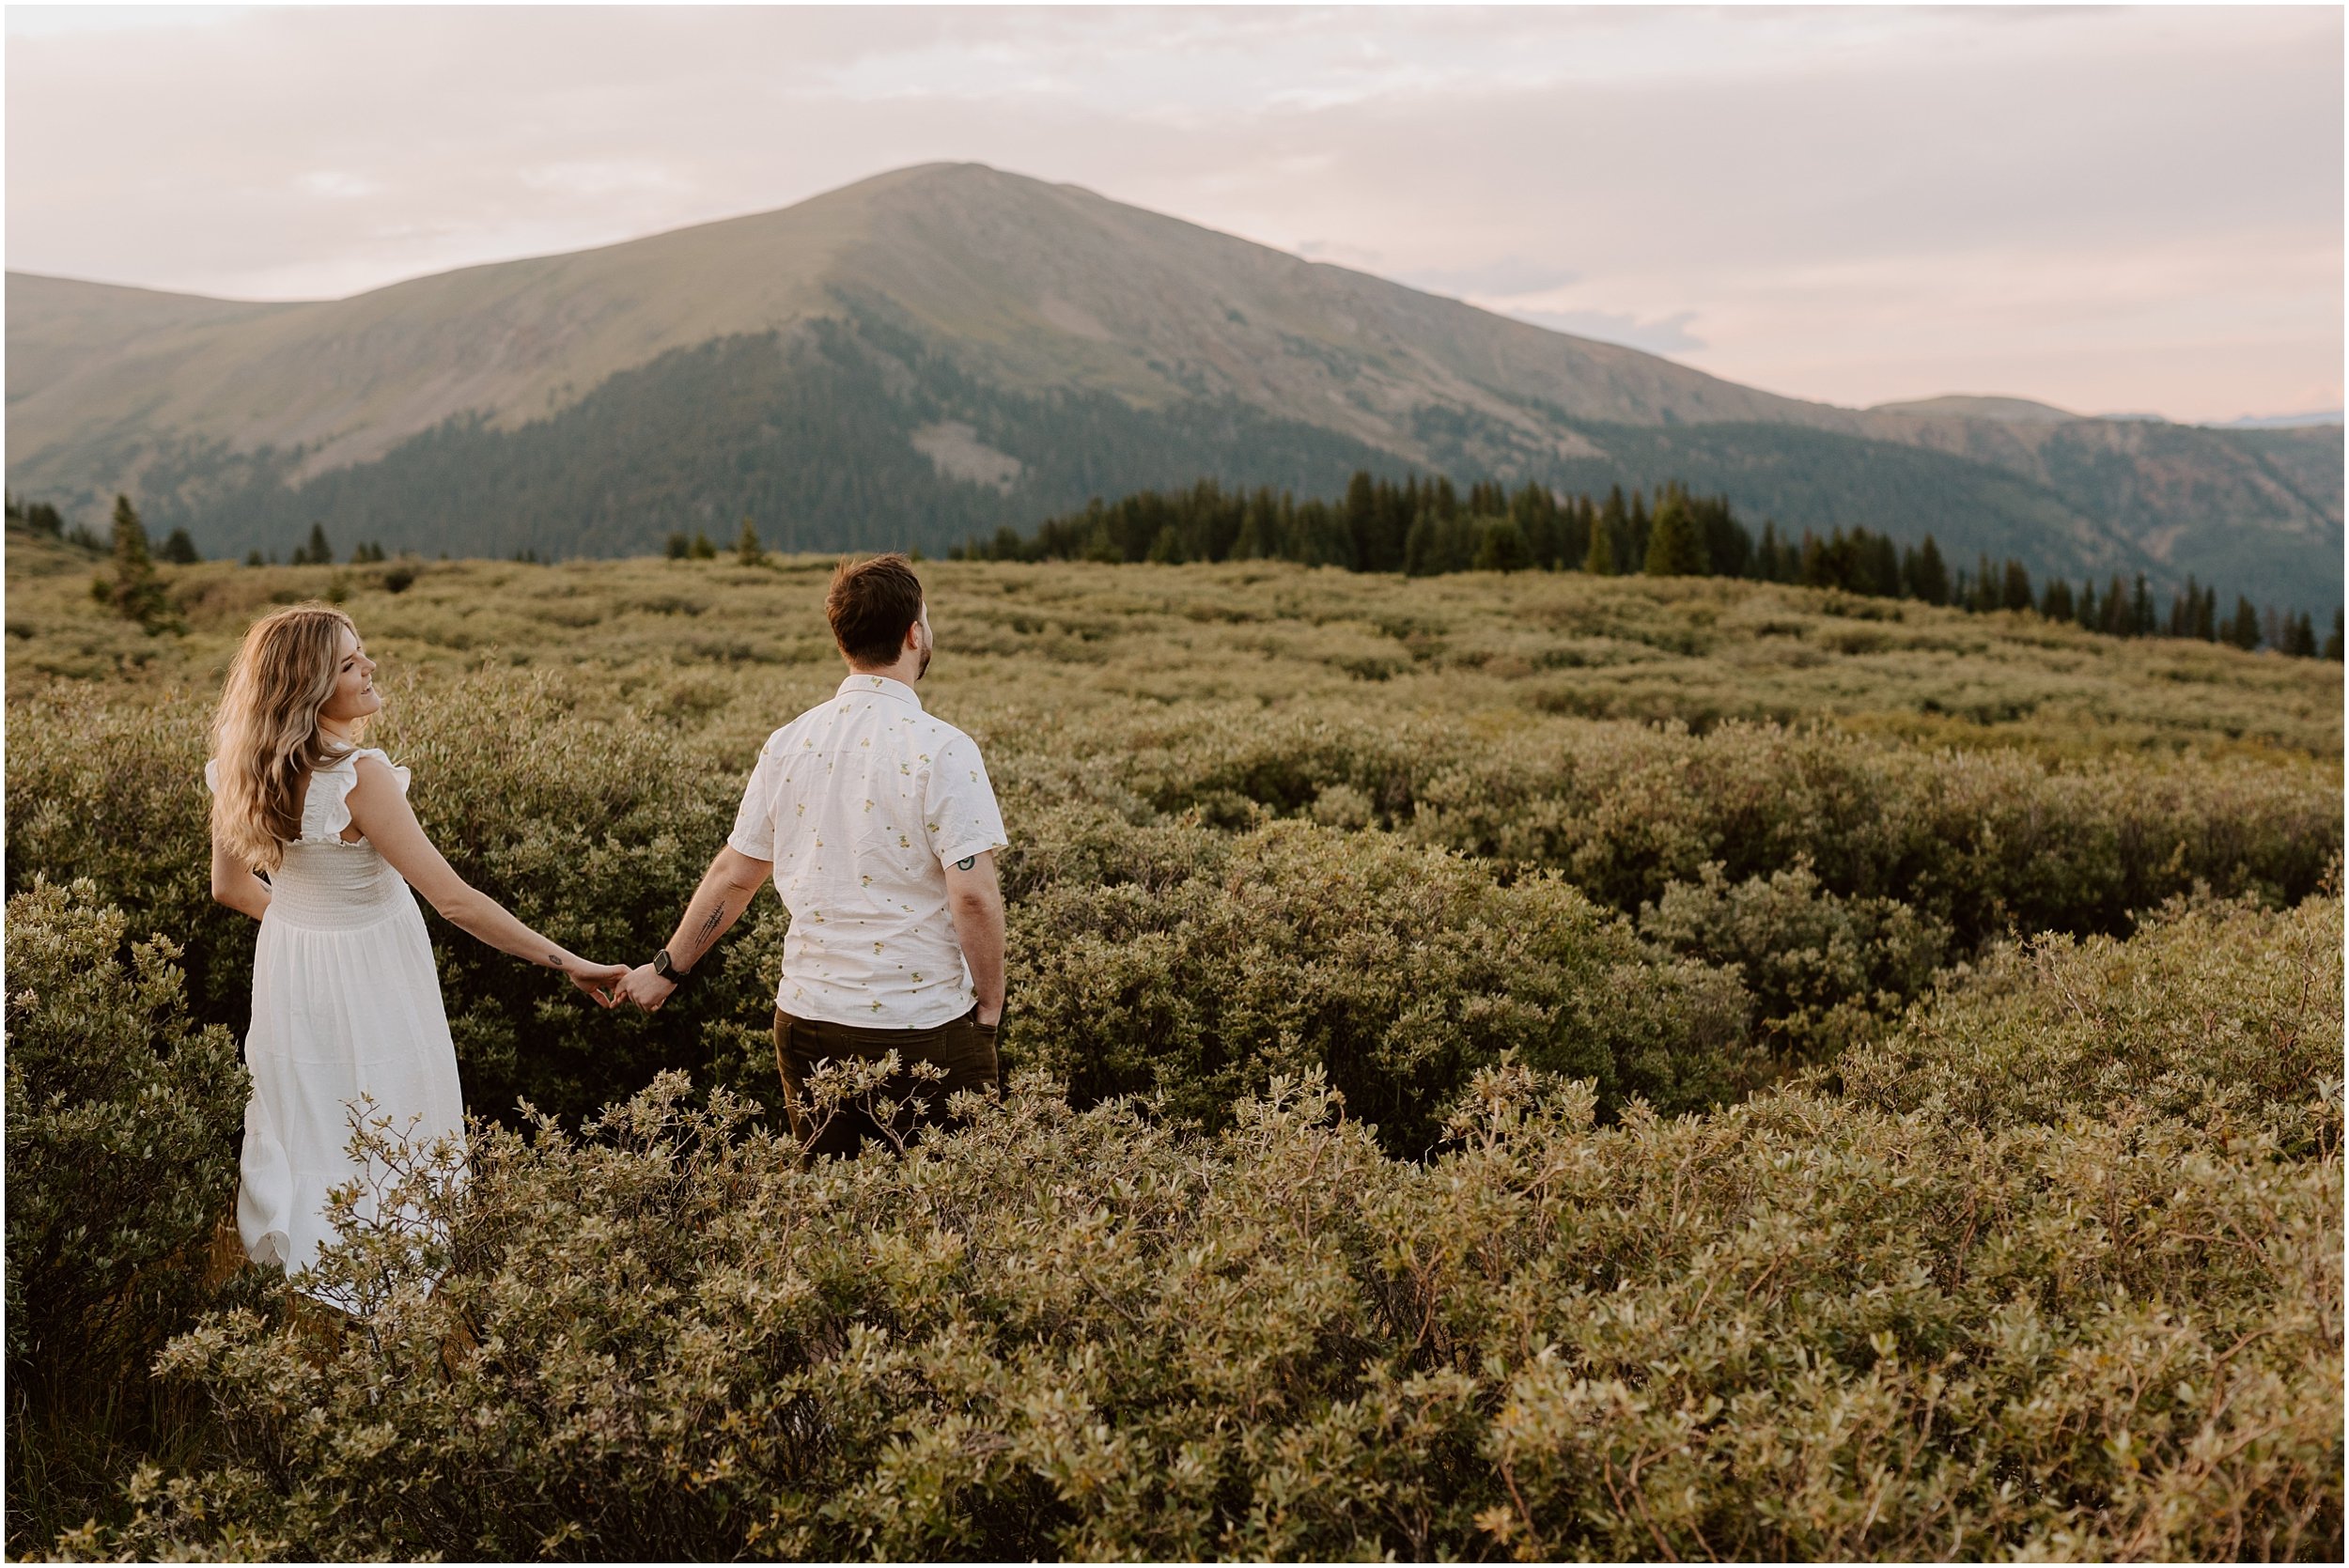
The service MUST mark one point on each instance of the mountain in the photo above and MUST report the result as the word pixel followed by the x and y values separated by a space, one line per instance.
pixel 2280 421
pixel 2011 411
pixel 944 349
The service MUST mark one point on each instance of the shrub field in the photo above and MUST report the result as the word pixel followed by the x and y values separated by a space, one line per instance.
pixel 1505 1066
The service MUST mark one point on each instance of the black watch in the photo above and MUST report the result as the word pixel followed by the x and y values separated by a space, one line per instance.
pixel 665 968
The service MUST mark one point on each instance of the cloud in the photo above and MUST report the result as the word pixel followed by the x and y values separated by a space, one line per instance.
pixel 1669 335
pixel 2099 208
pixel 1340 253
pixel 1508 278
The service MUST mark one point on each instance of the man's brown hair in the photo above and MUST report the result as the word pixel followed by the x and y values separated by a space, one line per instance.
pixel 872 604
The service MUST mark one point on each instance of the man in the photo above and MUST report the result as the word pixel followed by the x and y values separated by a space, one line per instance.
pixel 880 829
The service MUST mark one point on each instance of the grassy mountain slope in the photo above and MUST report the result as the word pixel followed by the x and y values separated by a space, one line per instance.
pixel 989 346
pixel 2020 410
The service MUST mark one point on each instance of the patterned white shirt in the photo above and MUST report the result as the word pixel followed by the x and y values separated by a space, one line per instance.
pixel 862 804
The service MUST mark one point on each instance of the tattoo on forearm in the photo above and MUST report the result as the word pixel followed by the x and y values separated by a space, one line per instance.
pixel 555 960
pixel 708 933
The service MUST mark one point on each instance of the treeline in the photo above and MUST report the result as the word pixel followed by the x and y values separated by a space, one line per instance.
pixel 811 433
pixel 1426 527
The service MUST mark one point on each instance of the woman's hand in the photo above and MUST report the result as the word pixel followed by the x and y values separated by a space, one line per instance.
pixel 597 980
pixel 646 989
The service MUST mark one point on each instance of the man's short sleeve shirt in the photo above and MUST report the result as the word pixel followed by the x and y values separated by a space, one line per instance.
pixel 862 804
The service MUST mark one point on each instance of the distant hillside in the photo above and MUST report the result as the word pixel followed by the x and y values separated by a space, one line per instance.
pixel 2016 411
pixel 942 350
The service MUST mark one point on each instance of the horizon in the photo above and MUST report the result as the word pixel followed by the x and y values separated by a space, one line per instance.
pixel 2163 233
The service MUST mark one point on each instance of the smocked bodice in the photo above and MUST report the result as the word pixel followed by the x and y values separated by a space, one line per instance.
pixel 324 883
pixel 335 887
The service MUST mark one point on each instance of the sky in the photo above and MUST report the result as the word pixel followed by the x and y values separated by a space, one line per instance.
pixel 2107 210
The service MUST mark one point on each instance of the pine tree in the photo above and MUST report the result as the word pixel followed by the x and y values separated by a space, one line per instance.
pixel 700 549
pixel 179 550
pixel 1881 565
pixel 1363 515
pixel 2055 602
pixel 2300 636
pixel 2333 643
pixel 1674 547
pixel 1576 522
pixel 1501 547
pixel 1247 544
pixel 1535 513
pixel 2116 611
pixel 254 558
pixel 746 546
pixel 2091 615
pixel 2015 592
pixel 315 551
pixel 2184 606
pixel 135 593
pixel 1419 547
pixel 1728 547
pixel 2141 622
pixel 1631 550
pixel 2244 630
pixel 1928 574
pixel 1599 560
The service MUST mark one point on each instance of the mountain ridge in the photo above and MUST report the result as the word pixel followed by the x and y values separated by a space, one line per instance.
pixel 1023 295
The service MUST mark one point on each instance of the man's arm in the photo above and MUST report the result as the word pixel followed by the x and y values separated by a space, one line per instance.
pixel 976 901
pixel 726 890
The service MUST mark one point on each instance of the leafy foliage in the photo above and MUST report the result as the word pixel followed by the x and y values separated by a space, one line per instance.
pixel 1804 1326
pixel 1396 972
pixel 121 1114
pixel 1522 866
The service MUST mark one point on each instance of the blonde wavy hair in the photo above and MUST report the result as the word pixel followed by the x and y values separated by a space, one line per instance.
pixel 266 739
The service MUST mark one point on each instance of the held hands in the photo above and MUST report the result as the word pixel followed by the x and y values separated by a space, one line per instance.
pixel 645 987
pixel 598 980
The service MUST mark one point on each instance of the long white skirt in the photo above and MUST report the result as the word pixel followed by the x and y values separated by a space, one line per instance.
pixel 347 1020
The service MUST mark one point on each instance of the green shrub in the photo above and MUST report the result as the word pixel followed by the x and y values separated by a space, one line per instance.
pixel 2212 1013
pixel 1258 1335
pixel 1837 870
pixel 1396 970
pixel 121 1124
pixel 1802 1326
pixel 1981 841
pixel 1821 968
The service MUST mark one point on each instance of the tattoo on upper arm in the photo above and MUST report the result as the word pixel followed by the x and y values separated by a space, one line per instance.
pixel 966 862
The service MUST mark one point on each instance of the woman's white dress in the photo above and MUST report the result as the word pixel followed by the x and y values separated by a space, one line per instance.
pixel 345 1009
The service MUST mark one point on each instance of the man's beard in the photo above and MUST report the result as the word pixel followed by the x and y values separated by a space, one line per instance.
pixel 925 668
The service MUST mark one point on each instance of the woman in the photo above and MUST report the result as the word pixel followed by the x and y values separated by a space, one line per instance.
pixel 346 1001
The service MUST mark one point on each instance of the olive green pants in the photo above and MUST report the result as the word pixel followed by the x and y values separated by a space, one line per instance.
pixel 964 1047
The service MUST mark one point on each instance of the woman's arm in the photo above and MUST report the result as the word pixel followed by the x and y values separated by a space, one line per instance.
pixel 234 884
pixel 380 810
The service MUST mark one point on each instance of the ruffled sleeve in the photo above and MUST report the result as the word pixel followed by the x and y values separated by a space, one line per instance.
pixel 326 811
